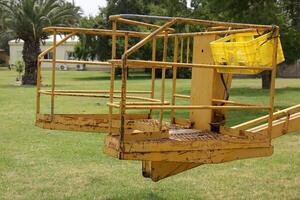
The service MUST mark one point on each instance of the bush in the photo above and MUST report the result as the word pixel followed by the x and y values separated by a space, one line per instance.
pixel 184 73
pixel 19 67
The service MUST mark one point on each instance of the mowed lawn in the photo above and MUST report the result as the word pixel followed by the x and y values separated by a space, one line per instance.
pixel 44 164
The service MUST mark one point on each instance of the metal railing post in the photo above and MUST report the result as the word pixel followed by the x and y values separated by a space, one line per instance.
pixel 53 76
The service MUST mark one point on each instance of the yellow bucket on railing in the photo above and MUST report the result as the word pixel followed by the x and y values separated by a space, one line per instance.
pixel 245 49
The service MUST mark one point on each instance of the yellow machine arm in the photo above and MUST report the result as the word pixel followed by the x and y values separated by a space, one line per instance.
pixel 285 121
pixel 286 124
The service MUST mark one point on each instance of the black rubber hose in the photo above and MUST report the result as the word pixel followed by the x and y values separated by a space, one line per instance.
pixel 225 86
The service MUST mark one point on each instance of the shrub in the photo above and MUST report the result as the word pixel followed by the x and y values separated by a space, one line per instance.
pixel 19 67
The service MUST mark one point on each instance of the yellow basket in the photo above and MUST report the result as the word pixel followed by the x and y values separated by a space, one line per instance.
pixel 245 49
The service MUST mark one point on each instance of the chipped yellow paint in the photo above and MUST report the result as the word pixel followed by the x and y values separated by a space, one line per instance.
pixel 168 149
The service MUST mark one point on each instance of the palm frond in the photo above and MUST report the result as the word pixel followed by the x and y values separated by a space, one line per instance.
pixel 27 18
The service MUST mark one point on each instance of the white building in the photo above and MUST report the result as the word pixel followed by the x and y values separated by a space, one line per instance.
pixel 64 51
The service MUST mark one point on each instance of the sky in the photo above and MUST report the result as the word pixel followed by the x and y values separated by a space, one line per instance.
pixel 91 7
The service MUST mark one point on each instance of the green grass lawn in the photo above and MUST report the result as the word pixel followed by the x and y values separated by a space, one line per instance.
pixel 44 164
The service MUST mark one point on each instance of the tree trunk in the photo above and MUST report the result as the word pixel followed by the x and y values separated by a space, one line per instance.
pixel 266 79
pixel 31 50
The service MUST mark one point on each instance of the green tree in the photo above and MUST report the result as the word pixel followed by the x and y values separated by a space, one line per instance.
pixel 291 9
pixel 96 47
pixel 290 33
pixel 92 47
pixel 284 13
pixel 124 7
pixel 171 8
pixel 25 19
pixel 245 11
pixel 2 19
pixel 4 38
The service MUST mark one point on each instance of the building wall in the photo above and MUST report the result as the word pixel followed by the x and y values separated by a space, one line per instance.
pixel 61 53
pixel 289 71
pixel 4 57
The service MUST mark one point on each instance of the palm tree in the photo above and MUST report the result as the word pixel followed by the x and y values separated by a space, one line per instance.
pixel 2 18
pixel 25 19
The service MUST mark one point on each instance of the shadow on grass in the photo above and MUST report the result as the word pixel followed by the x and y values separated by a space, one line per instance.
pixel 103 78
pixel 184 91
pixel 12 86
pixel 251 92
pixel 92 78
pixel 139 78
pixel 239 116
pixel 141 195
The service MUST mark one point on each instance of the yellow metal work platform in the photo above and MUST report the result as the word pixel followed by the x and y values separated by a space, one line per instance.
pixel 188 145
pixel 190 141
pixel 144 124
pixel 83 122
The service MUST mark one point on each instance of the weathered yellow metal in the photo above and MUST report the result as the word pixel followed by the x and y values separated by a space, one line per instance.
pixel 166 149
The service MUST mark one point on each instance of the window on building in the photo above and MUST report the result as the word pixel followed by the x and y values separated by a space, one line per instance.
pixel 49 55
pixel 19 54
pixel 70 55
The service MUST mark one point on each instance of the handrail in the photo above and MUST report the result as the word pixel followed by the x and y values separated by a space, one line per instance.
pixel 91 31
pixel 183 96
pixel 97 95
pixel 100 91
pixel 147 63
pixel 221 32
pixel 197 107
pixel 77 62
pixel 193 21
pixel 123 33
pixel 137 23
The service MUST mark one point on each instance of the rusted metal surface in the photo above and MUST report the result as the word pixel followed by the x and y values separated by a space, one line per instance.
pixel 166 149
